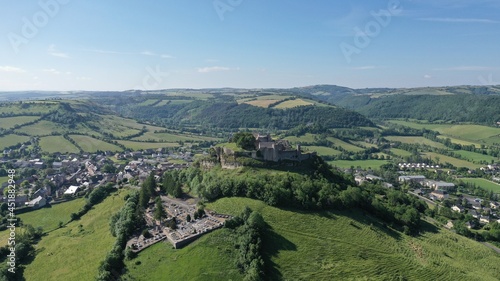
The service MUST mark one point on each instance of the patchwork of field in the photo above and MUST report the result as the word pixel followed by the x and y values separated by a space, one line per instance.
pixel 37 108
pixel 135 145
pixel 475 157
pixel 322 150
pixel 400 152
pixel 461 142
pixel 454 161
pixel 363 164
pixel 261 103
pixel 350 245
pixel 484 183
pixel 75 251
pixel 10 140
pixel 10 122
pixel 292 103
pixel 90 144
pixel 169 137
pixel 416 140
pixel 42 128
pixel 307 138
pixel 53 144
pixel 345 145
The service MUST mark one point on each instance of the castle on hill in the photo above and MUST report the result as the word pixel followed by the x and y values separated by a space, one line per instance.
pixel 276 150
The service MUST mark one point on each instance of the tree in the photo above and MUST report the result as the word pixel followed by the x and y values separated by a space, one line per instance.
pixel 159 212
pixel 244 140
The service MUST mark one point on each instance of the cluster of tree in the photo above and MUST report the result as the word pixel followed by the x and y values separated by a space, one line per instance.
pixel 148 190
pixel 96 196
pixel 171 186
pixel 245 140
pixel 248 233
pixel 122 225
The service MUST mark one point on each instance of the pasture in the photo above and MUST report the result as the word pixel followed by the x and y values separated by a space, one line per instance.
pixel 53 144
pixel 483 183
pixel 10 122
pixel 322 150
pixel 345 145
pixel 90 144
pixel 75 251
pixel 136 145
pixel 475 157
pixel 453 161
pixel 11 140
pixel 350 245
pixel 363 164
pixel 415 140
pixel 292 103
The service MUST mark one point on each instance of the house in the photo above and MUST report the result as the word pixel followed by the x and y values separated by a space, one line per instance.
pixel 72 190
pixel 56 165
pixel 494 205
pixel 470 224
pixel 37 202
pixel 484 219
pixel 38 164
pixel 417 178
pixel 459 209
pixel 474 214
pixel 476 206
pixel 442 185
pixel 439 194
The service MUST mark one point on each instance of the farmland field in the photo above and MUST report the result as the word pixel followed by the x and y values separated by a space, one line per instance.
pixel 10 122
pixel 28 107
pixel 416 140
pixel 484 183
pixel 364 164
pixel 261 103
pixel 461 142
pixel 400 152
pixel 345 145
pixel 53 144
pixel 347 245
pixel 90 144
pixel 475 157
pixel 42 128
pixel 322 150
pixel 75 251
pixel 168 137
pixel 10 140
pixel 292 103
pixel 135 145
pixel 307 138
pixel 454 161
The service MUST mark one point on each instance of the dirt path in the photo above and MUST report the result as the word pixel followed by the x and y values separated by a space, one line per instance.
pixel 494 248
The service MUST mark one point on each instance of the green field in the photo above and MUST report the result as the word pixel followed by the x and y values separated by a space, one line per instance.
pixel 345 145
pixel 10 140
pixel 208 258
pixel 89 144
pixel 322 150
pixel 307 138
pixel 292 103
pixel 168 137
pixel 471 133
pixel 48 218
pixel 75 251
pixel 45 128
pixel 416 140
pixel 364 164
pixel 10 122
pixel 484 183
pixel 28 107
pixel 53 144
pixel 351 246
pixel 148 102
pixel 136 145
pixel 400 152
pixel 461 142
pixel 454 161
pixel 364 144
pixel 475 157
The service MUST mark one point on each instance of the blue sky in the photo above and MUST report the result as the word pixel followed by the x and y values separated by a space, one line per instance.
pixel 120 45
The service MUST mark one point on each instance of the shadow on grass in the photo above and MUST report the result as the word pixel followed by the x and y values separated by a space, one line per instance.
pixel 273 244
pixel 427 227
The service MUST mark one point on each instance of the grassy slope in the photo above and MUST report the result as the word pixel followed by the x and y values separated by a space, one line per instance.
pixel 322 150
pixel 74 253
pixel 49 218
pixel 476 157
pixel 325 246
pixel 454 161
pixel 208 258
pixel 364 164
pixel 400 152
pixel 90 144
pixel 52 144
pixel 416 140
pixel 486 184
pixel 10 122
pixel 10 140
pixel 135 145
pixel 292 103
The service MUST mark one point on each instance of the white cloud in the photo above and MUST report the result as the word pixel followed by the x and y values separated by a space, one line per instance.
pixel 13 69
pixel 215 69
pixel 427 76
pixel 51 70
pixel 459 20
pixel 54 52
pixel 83 78
pixel 165 56
pixel 467 68
pixel 148 53
pixel 366 67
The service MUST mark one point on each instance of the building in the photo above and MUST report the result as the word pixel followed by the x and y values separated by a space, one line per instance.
pixel 71 190
pixel 271 150
pixel 37 202
pixel 440 185
pixel 459 209
pixel 439 195
pixel 484 219
pixel 417 178
pixel 495 205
